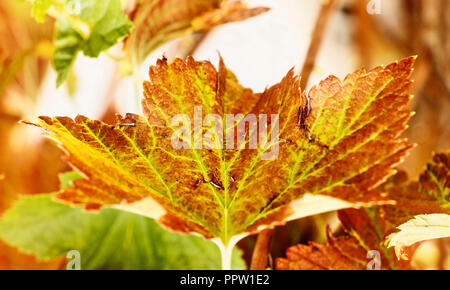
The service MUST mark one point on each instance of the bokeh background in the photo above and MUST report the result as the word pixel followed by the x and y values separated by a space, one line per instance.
pixel 260 50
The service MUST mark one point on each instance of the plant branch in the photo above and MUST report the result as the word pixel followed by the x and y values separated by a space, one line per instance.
pixel 261 251
pixel 317 36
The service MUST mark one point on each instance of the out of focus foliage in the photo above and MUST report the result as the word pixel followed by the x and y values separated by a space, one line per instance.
pixel 39 37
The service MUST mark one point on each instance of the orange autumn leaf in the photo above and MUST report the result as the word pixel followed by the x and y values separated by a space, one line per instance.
pixel 335 145
pixel 417 202
pixel 360 247
pixel 228 12
pixel 429 194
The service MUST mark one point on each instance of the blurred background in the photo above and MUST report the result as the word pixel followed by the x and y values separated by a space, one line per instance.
pixel 259 50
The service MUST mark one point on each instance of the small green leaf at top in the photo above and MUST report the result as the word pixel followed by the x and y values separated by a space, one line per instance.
pixel 89 26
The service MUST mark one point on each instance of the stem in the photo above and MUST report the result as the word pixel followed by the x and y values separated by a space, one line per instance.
pixel 226 252
pixel 226 257
pixel 261 251
pixel 319 31
pixel 441 243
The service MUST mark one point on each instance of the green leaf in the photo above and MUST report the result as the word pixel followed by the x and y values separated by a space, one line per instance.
pixel 107 23
pixel 111 239
pixel 67 46
pixel 90 26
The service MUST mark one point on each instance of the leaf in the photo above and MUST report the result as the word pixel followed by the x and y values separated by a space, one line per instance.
pixel 67 46
pixel 421 213
pixel 111 239
pixel 352 250
pixel 13 259
pixel 423 206
pixel 228 12
pixel 337 155
pixel 90 26
pixel 156 22
pixel 420 228
pixel 38 177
